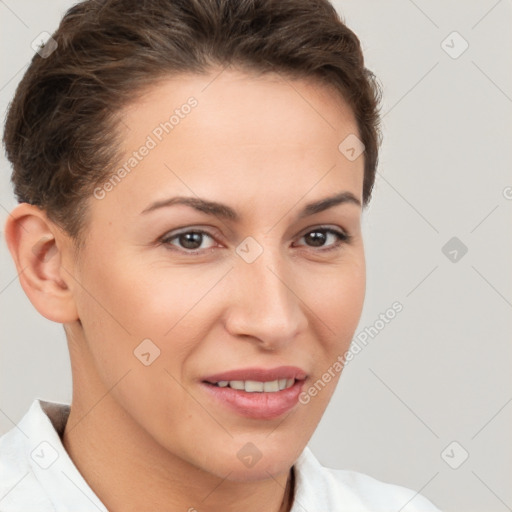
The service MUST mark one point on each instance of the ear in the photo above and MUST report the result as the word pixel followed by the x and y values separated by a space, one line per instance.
pixel 37 247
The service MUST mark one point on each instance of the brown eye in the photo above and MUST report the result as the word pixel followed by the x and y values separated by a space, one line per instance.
pixel 316 238
pixel 190 240
pixel 325 237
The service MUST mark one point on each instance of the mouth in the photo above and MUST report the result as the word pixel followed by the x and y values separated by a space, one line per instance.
pixel 257 393
pixel 254 386
pixel 281 374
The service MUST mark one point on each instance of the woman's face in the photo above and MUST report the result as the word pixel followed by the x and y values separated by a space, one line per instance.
pixel 272 275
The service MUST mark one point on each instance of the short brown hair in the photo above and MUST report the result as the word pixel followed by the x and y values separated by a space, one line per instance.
pixel 60 124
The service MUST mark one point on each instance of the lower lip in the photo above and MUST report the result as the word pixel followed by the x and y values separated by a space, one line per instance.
pixel 259 405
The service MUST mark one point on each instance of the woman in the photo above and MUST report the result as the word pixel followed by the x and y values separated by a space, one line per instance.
pixel 191 177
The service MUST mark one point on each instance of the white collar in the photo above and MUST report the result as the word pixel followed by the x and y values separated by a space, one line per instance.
pixel 49 461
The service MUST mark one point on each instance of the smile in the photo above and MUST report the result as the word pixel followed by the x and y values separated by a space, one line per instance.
pixel 258 393
pixel 254 386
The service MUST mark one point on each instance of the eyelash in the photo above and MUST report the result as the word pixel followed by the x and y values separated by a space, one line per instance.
pixel 342 238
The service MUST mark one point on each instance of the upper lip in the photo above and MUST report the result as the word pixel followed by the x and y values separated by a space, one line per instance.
pixel 259 374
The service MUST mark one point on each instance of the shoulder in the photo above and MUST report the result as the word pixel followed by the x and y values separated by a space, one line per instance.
pixel 376 495
pixel 36 472
pixel 335 489
pixel 19 488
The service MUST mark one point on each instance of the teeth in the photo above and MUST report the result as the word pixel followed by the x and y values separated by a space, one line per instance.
pixel 272 386
pixel 254 386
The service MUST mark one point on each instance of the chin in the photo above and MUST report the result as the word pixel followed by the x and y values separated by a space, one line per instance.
pixel 258 461
pixel 260 471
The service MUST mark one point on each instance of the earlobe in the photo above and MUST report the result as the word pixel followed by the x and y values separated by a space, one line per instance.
pixel 38 255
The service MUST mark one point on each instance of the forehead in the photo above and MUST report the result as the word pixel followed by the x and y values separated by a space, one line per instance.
pixel 229 133
pixel 255 107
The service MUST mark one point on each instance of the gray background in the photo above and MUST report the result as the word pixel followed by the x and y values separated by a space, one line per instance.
pixel 440 371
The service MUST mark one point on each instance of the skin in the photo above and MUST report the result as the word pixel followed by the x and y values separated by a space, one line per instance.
pixel 148 437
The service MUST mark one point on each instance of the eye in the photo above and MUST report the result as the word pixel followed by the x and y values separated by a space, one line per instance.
pixel 190 240
pixel 325 238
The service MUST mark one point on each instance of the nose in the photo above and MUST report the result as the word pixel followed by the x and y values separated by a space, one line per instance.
pixel 264 305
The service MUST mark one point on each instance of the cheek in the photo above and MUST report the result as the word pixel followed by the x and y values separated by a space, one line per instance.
pixel 338 302
pixel 347 300
pixel 121 306
pixel 140 299
pixel 338 297
pixel 136 346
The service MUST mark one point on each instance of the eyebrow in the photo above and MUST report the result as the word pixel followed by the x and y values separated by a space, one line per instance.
pixel 226 212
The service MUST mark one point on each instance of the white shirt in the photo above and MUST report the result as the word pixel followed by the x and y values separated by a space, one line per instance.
pixel 37 475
